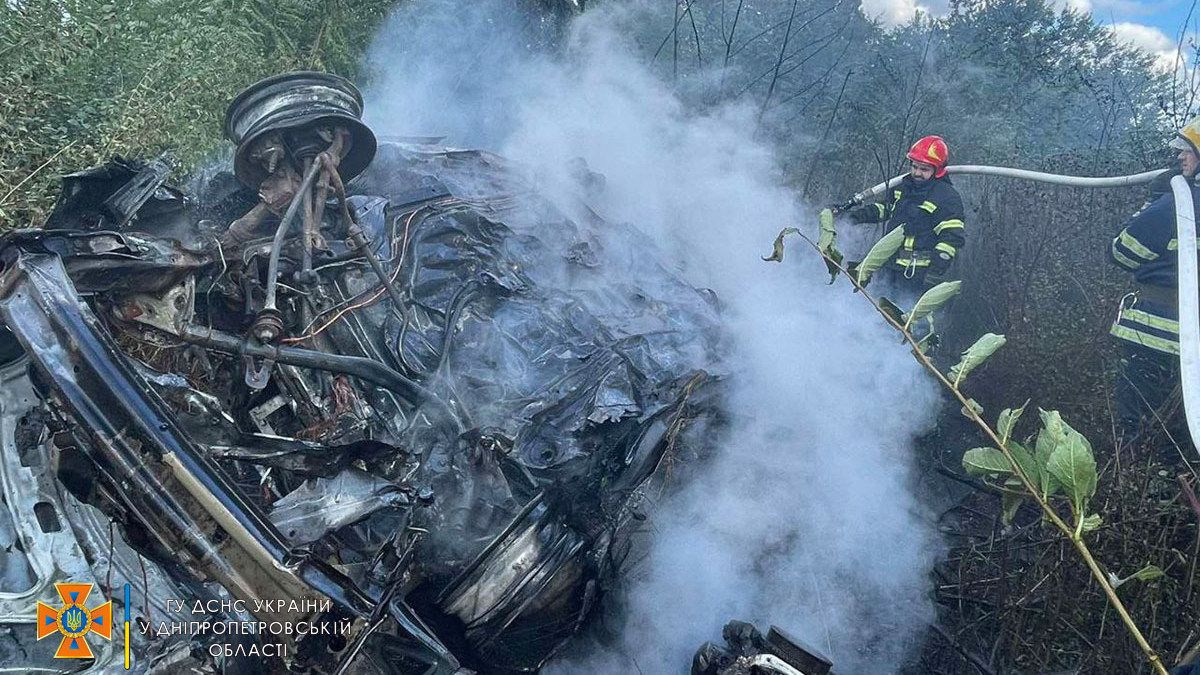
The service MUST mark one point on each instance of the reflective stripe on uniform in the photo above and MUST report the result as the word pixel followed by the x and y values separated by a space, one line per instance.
pixel 1148 319
pixel 1128 241
pixel 1148 330
pixel 882 209
pixel 1123 259
pixel 909 243
pixel 1174 244
pixel 919 262
pixel 1145 339
pixel 946 248
pixel 928 206
pixel 953 224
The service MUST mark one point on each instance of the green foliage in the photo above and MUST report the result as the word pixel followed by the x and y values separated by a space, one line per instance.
pixel 1063 462
pixel 827 244
pixel 986 462
pixel 86 79
pixel 892 310
pixel 1028 463
pixel 777 247
pixel 931 300
pixel 1147 573
pixel 971 408
pixel 1071 463
pixel 880 254
pixel 975 355
pixel 1008 421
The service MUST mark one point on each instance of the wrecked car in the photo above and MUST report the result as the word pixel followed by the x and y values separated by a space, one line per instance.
pixel 336 405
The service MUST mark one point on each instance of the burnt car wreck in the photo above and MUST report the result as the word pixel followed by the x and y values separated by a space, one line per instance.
pixel 384 392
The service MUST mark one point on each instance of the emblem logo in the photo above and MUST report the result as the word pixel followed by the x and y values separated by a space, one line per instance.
pixel 74 621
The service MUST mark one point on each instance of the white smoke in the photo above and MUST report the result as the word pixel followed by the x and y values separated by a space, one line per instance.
pixel 806 517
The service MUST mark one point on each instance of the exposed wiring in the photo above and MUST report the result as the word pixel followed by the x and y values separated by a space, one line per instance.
pixel 356 301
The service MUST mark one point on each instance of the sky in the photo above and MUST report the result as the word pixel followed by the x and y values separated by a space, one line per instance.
pixel 1153 25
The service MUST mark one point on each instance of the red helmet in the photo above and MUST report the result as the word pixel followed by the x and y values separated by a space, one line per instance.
pixel 931 150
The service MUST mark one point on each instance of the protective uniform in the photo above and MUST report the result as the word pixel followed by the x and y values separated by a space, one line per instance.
pixel 1147 325
pixel 1148 322
pixel 931 212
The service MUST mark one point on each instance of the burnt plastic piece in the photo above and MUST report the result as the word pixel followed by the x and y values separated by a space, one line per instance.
pixel 295 100
pixel 710 660
pixel 744 640
pixel 125 203
pixel 108 197
pixel 797 653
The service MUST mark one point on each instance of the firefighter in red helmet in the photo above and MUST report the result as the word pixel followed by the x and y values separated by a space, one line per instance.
pixel 929 209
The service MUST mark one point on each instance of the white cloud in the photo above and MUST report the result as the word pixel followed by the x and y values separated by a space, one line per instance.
pixel 892 12
pixel 1149 39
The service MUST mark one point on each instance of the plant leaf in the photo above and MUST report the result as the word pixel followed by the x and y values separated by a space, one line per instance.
pixel 827 244
pixel 832 262
pixel 930 342
pixel 986 462
pixel 1092 522
pixel 777 252
pixel 1008 420
pixel 975 355
pixel 891 310
pixel 931 300
pixel 974 406
pixel 880 254
pixel 828 234
pixel 1048 438
pixel 1148 573
pixel 1010 503
pixel 1072 464
pixel 1026 461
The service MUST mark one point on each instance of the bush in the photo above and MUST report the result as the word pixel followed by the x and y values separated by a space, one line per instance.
pixel 86 79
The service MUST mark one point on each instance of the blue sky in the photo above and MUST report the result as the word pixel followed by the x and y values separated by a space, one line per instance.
pixel 1153 25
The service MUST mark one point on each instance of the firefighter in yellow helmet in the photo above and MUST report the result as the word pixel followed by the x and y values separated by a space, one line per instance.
pixel 929 208
pixel 1147 325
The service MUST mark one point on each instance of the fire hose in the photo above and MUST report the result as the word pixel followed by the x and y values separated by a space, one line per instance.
pixel 1188 292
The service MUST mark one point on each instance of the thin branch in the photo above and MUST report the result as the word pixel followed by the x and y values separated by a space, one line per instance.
pixel 1176 119
pixel 757 35
pixel 825 134
pixel 669 35
pixel 695 33
pixel 675 43
pixel 35 172
pixel 782 51
pixel 732 29
pixel 1048 511
pixel 819 46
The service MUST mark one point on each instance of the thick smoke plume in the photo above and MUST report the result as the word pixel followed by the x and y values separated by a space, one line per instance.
pixel 806 517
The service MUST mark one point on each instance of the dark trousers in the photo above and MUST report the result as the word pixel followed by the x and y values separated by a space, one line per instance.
pixel 1149 403
pixel 907 289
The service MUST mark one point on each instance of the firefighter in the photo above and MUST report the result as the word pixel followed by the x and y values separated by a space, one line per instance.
pixel 930 210
pixel 1147 324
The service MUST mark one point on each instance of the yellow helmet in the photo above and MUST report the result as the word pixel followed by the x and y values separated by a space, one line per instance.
pixel 1188 138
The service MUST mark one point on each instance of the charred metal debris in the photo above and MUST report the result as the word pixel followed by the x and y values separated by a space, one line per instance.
pixel 421 406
